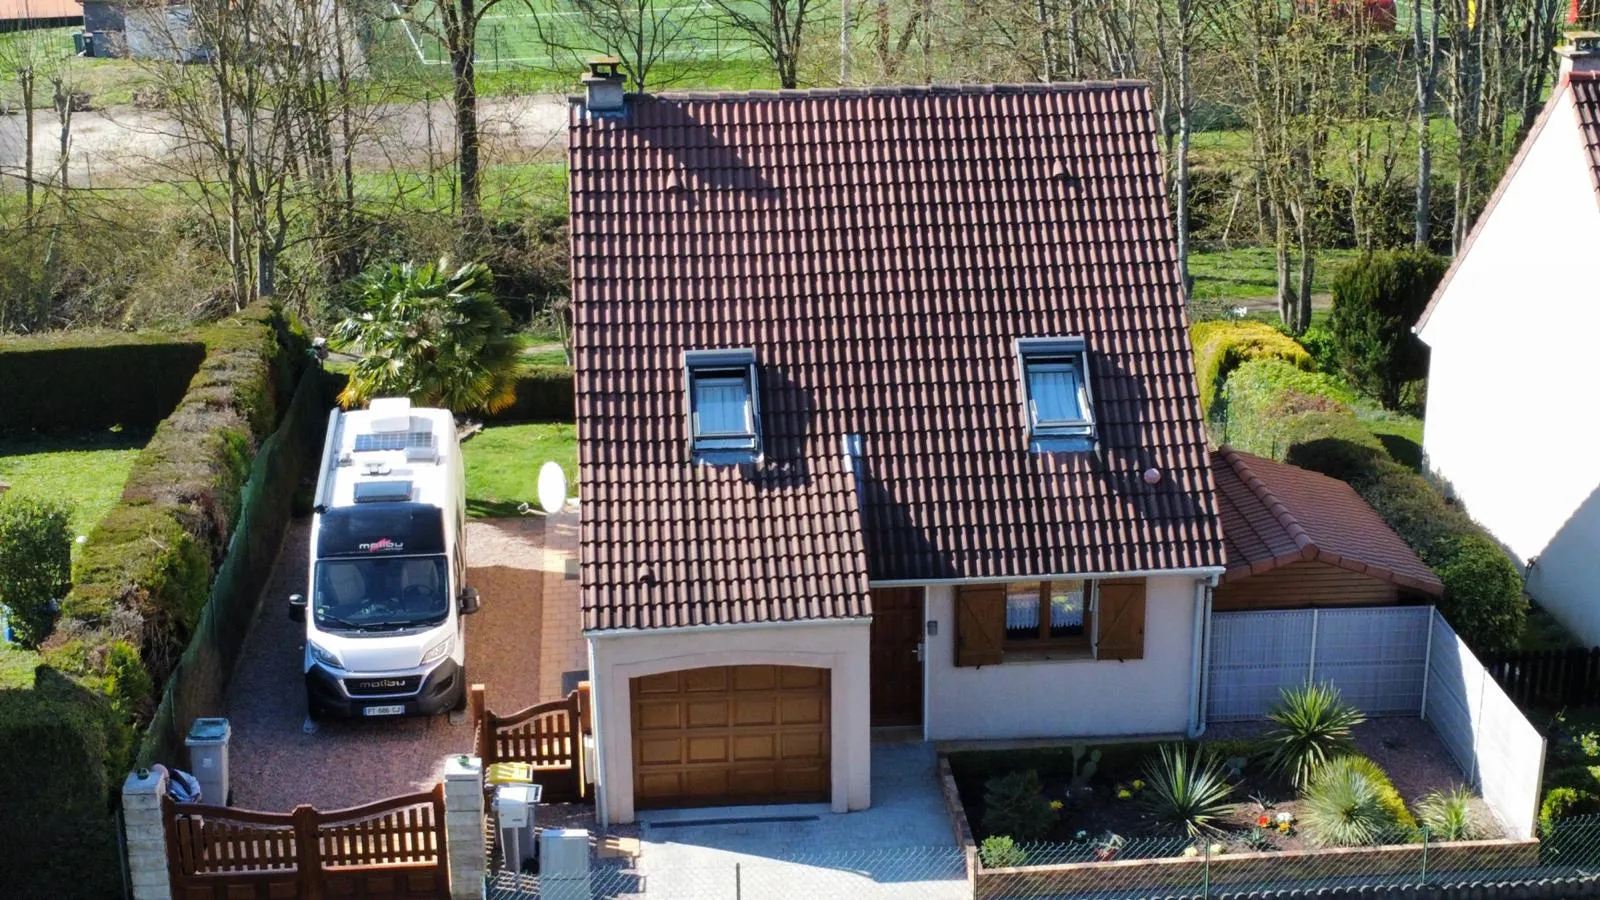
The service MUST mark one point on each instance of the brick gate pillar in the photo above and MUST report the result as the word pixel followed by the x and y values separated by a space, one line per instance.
pixel 463 825
pixel 146 834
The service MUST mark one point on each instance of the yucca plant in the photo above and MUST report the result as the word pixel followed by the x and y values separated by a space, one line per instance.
pixel 431 333
pixel 1343 806
pixel 1450 816
pixel 1311 726
pixel 1187 788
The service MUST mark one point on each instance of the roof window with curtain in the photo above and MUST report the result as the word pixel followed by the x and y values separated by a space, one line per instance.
pixel 1059 406
pixel 724 406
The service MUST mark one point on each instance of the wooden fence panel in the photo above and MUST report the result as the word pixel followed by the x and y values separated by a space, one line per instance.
pixel 1548 677
pixel 547 736
pixel 390 850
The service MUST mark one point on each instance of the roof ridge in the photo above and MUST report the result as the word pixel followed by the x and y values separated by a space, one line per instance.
pixel 905 90
pixel 1277 507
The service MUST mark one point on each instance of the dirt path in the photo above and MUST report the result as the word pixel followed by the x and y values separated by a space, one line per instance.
pixel 275 765
pixel 127 146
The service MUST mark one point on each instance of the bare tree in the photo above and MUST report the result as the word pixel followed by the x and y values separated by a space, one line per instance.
pixel 774 26
pixel 643 34
pixel 1426 63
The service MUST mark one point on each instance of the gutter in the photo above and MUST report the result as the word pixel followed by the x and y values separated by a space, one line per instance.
pixel 1209 573
pixel 612 633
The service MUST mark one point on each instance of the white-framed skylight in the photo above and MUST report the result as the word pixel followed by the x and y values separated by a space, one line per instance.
pixel 1058 405
pixel 724 406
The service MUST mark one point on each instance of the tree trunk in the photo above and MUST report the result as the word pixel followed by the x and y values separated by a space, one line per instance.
pixel 1185 130
pixel 1047 42
pixel 1427 72
pixel 25 82
pixel 461 27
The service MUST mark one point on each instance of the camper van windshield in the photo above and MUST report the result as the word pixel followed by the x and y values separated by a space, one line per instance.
pixel 382 593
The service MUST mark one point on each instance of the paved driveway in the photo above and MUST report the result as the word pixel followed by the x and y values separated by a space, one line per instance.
pixel 902 847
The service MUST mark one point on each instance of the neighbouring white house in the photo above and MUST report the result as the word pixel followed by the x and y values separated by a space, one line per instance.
pixel 1511 429
pixel 886 417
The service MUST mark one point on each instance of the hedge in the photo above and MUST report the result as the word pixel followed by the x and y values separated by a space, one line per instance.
pixel 141 585
pixel 544 394
pixel 89 382
pixel 1220 346
pixel 1265 400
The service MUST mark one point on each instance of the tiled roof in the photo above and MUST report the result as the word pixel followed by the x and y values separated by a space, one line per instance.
pixel 1584 87
pixel 40 9
pixel 1274 514
pixel 881 250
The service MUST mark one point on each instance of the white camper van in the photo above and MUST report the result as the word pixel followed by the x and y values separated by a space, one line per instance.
pixel 385 633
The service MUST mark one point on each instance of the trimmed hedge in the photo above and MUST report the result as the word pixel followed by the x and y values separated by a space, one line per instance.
pixel 89 382
pixel 1220 346
pixel 1265 402
pixel 544 394
pixel 142 582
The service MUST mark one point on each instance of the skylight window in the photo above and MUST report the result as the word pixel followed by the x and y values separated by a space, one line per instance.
pixel 1059 405
pixel 724 406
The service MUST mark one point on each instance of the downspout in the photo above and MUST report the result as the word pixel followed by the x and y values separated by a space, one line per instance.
pixel 596 688
pixel 1199 672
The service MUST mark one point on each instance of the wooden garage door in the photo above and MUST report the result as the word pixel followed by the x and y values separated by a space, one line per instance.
pixel 730 735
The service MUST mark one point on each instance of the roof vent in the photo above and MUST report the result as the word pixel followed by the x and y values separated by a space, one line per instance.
pixel 382 491
pixel 603 85
pixel 391 414
pixel 427 453
pixel 1059 171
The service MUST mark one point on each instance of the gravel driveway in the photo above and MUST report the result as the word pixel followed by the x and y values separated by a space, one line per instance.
pixel 275 765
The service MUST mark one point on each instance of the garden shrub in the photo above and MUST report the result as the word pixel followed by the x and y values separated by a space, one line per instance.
pixel 91 381
pixel 1319 343
pixel 1563 802
pixel 1482 591
pixel 1311 727
pixel 35 564
pixel 1015 805
pixel 1337 446
pixel 1350 802
pixel 1188 790
pixel 1221 346
pixel 1001 852
pixel 1450 816
pixel 1376 300
pixel 544 394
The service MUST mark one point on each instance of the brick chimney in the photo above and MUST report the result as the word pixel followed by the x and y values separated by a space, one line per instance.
pixel 1581 53
pixel 603 85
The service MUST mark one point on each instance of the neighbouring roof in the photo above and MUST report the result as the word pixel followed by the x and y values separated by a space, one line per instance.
pixel 881 250
pixel 1585 89
pixel 1274 514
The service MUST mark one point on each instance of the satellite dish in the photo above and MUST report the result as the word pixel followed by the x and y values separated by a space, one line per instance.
pixel 552 487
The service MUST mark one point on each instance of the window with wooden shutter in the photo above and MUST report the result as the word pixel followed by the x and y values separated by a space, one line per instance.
pixel 1121 632
pixel 980 624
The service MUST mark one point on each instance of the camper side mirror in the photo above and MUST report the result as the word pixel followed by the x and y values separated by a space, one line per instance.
pixel 297 607
pixel 469 601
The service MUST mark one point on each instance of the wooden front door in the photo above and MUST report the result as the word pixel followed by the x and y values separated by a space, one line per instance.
pixel 731 735
pixel 896 668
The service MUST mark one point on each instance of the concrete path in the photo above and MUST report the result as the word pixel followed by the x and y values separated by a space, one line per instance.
pixel 902 847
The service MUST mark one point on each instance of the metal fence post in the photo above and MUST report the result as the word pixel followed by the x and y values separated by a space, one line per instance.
pixel 1425 837
pixel 1205 871
pixel 1311 672
pixel 738 890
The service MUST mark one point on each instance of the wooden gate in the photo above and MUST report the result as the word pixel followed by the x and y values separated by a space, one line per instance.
pixel 547 736
pixel 390 850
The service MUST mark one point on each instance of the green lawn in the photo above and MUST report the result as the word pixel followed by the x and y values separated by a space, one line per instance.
pixel 16 666
pixel 1250 273
pixel 503 465
pixel 84 471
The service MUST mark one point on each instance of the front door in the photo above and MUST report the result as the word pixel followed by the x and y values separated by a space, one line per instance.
pixel 896 660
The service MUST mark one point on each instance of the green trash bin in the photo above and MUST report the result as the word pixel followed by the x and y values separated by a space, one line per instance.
pixel 77 42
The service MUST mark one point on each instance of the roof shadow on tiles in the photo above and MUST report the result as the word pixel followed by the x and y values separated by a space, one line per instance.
pixel 788 416
pixel 891 536
pixel 703 162
pixel 1129 447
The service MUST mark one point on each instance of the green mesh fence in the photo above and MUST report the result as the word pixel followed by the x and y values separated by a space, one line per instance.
pixel 199 682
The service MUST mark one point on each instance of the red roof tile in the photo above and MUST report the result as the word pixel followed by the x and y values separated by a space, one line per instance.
pixel 881 250
pixel 1274 514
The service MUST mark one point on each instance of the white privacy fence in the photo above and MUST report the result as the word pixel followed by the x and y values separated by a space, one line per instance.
pixel 1375 656
pixel 1387 661
pixel 1489 737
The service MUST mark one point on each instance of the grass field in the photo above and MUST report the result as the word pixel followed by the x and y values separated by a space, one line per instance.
pixel 84 471
pixel 1248 273
pixel 16 666
pixel 503 465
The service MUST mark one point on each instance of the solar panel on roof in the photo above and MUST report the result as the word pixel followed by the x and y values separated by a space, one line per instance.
pixel 393 441
pixel 382 491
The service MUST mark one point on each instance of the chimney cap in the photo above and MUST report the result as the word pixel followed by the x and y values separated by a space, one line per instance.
pixel 607 67
pixel 1581 43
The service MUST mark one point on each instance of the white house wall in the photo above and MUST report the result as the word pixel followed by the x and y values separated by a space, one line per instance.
pixel 1076 698
pixel 841 647
pixel 1510 424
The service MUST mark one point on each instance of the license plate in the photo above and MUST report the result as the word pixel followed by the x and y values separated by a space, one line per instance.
pixel 383 711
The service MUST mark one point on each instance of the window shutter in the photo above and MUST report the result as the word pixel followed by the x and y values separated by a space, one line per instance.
pixel 980 624
pixel 1121 619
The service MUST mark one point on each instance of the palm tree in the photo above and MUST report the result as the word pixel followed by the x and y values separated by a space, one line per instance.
pixel 433 334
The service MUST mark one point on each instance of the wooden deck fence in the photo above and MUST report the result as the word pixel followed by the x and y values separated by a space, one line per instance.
pixel 548 736
pixel 390 850
pixel 1548 677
